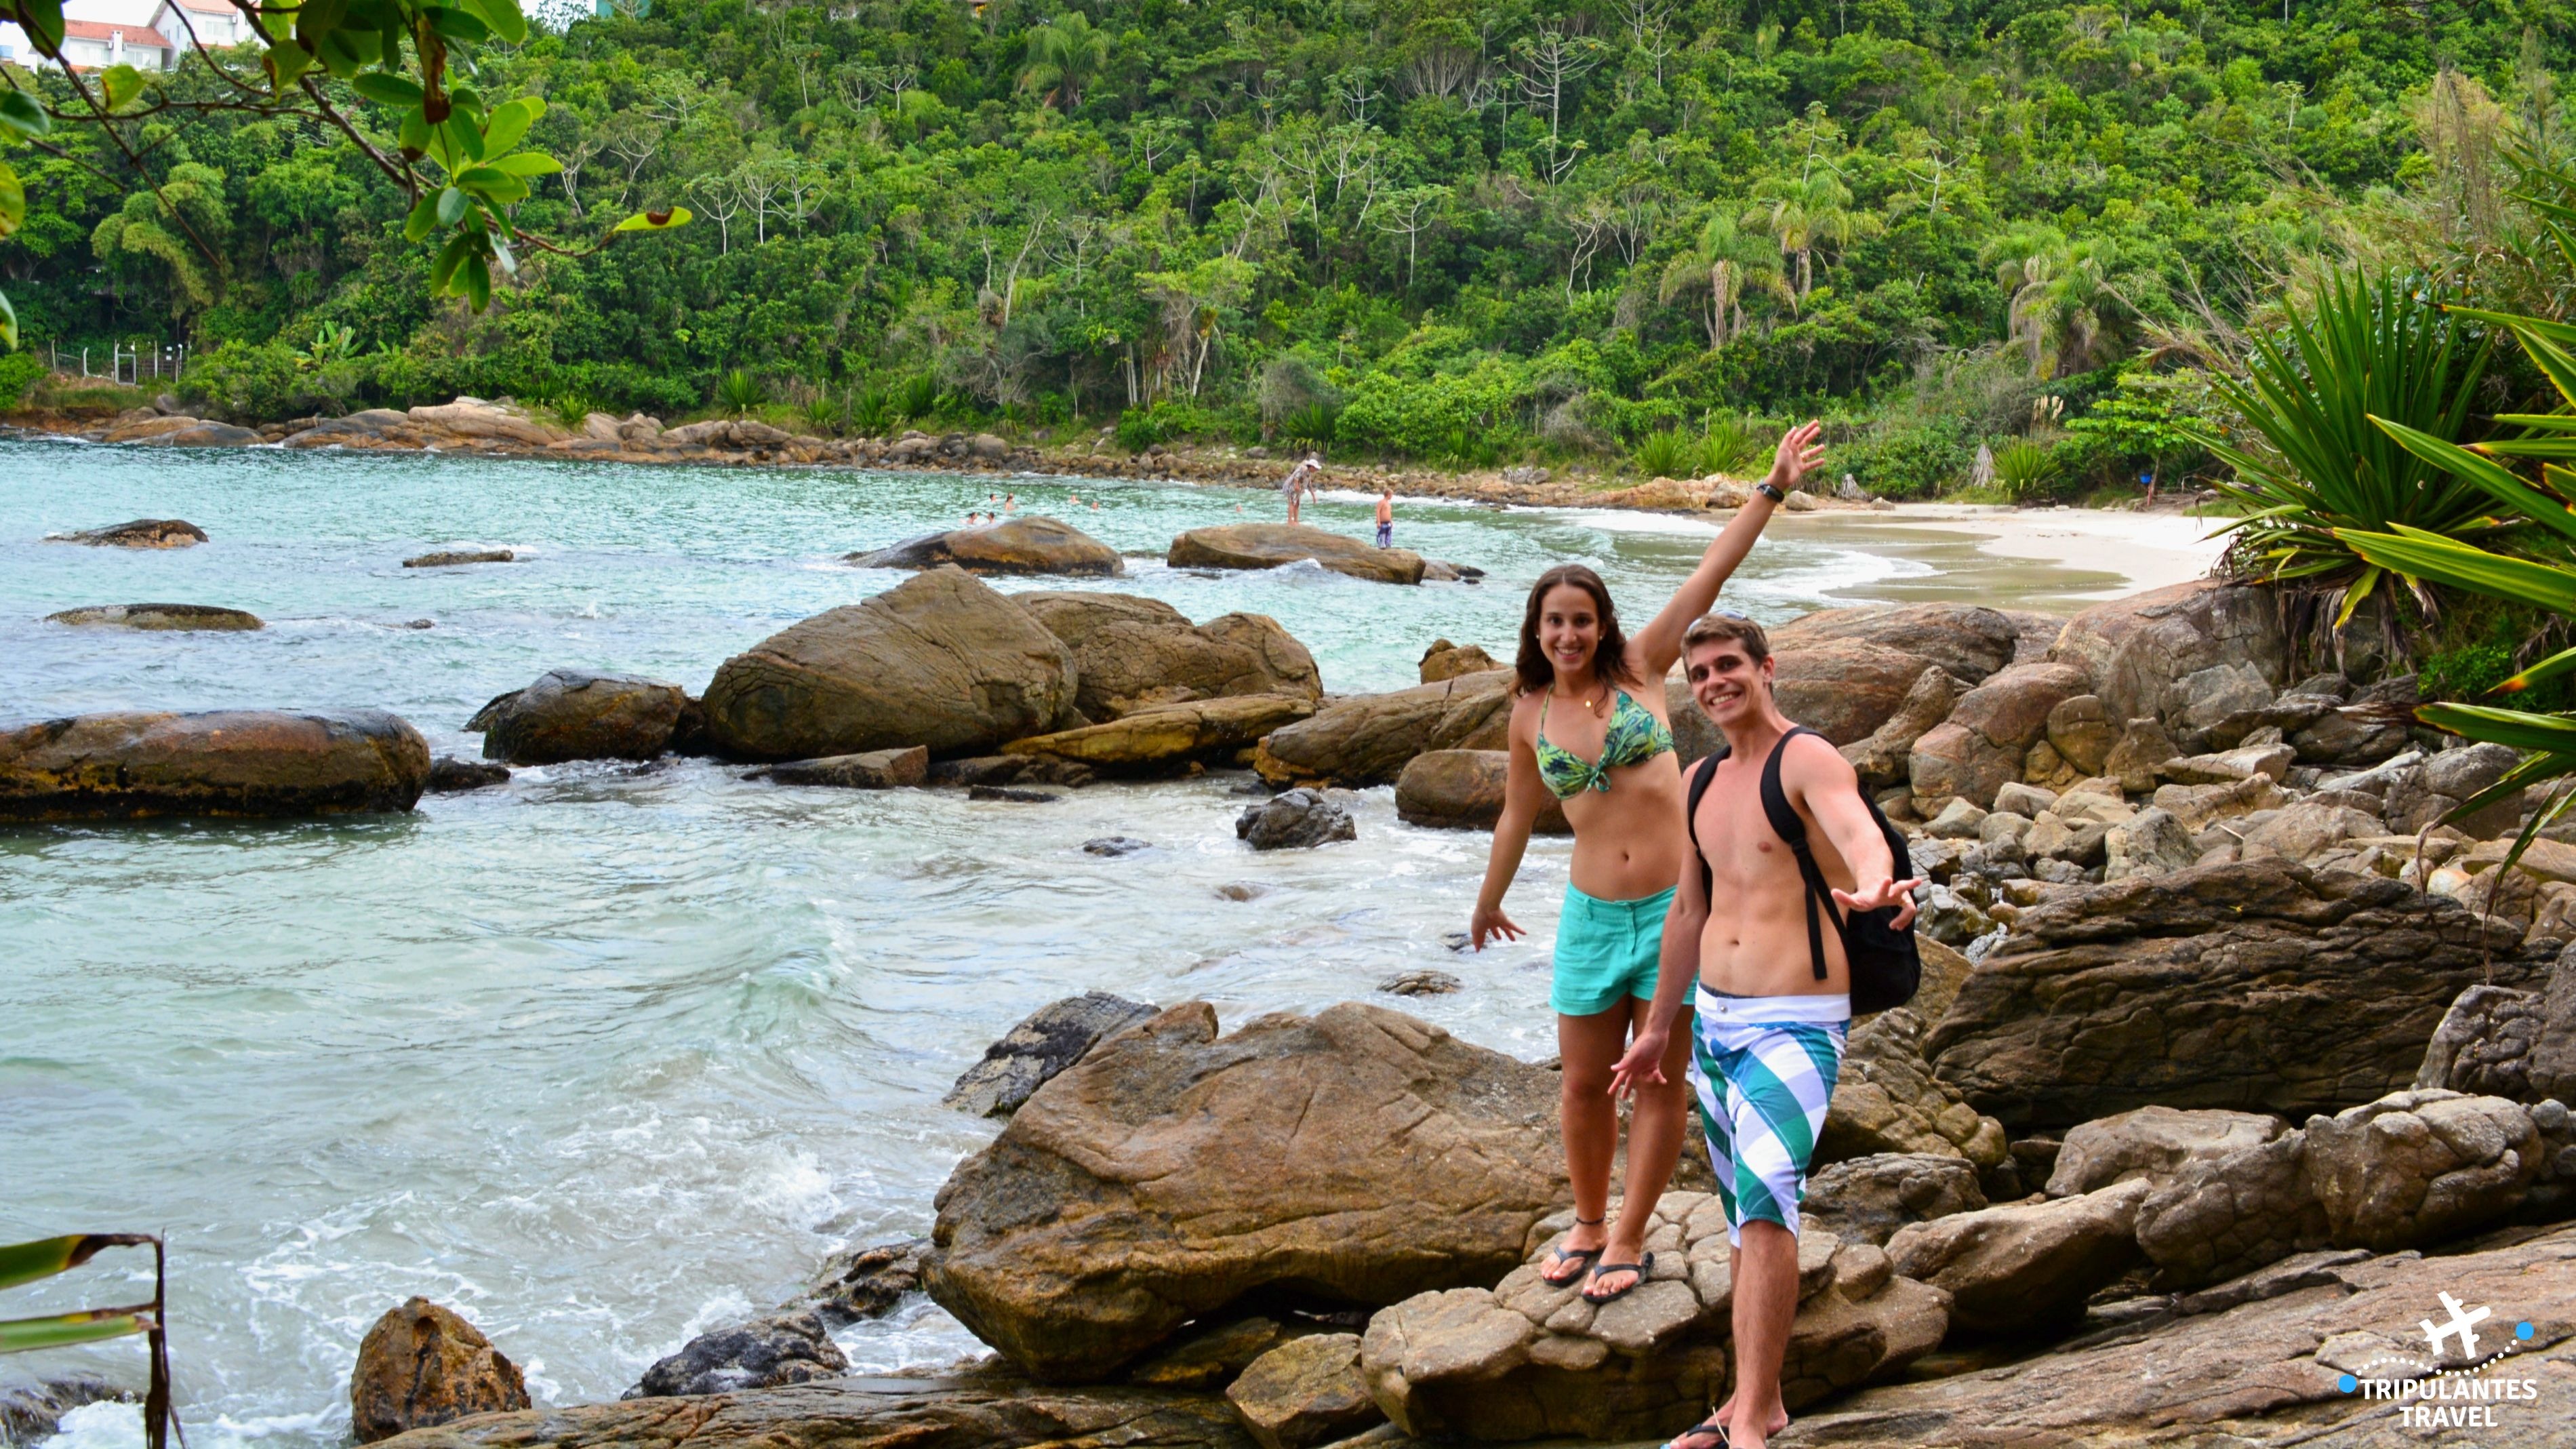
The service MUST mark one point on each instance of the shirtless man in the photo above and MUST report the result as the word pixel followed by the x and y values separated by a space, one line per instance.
pixel 1386 515
pixel 1301 480
pixel 1769 1032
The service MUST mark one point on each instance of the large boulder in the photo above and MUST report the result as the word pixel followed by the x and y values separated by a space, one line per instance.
pixel 139 763
pixel 1887 1100
pixel 1982 746
pixel 474 419
pixel 2111 997
pixel 1132 653
pixel 1884 757
pixel 939 660
pixel 1968 640
pixel 140 533
pixel 1444 660
pixel 2417 1167
pixel 1524 1360
pixel 1021 545
pixel 1270 545
pixel 572 714
pixel 1867 1199
pixel 2500 1042
pixel 2139 650
pixel 1166 734
pixel 1844 688
pixel 2152 1144
pixel 158 617
pixel 1355 1157
pixel 1367 739
pixel 422 1365
pixel 2267 1361
pixel 1463 790
pixel 1030 1054
pixel 2024 1265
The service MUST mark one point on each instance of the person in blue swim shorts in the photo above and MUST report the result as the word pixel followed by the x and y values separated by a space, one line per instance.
pixel 1769 1000
pixel 1590 727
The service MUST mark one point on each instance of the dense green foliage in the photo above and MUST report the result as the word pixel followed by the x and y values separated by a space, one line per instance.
pixel 1451 231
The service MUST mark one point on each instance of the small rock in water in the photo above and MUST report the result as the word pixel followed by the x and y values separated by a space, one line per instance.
pixel 417 624
pixel 867 770
pixel 422 1365
pixel 158 617
pixel 1420 983
pixel 865 1282
pixel 30 1414
pixel 1456 940
pixel 1007 792
pixel 141 533
pixel 979 770
pixel 1253 786
pixel 452 558
pixel 1115 845
pixel 449 775
pixel 1238 890
pixel 1029 1054
pixel 786 1348
pixel 1295 821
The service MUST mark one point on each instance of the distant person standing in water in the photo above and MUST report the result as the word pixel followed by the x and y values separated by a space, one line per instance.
pixel 1301 481
pixel 1011 503
pixel 1386 515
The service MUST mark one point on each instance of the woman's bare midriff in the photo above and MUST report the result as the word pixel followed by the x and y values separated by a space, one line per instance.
pixel 1628 840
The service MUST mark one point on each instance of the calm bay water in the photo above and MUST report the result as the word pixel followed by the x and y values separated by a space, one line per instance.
pixel 614 1054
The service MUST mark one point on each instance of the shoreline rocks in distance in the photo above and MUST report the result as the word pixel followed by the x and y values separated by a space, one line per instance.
pixel 420 1366
pixel 456 558
pixel 257 763
pixel 1022 544
pixel 1272 545
pixel 211 618
pixel 141 533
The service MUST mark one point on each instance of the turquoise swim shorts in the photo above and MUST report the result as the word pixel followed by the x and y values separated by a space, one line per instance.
pixel 1607 951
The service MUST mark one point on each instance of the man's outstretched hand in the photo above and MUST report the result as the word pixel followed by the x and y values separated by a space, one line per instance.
pixel 1797 455
pixel 1897 893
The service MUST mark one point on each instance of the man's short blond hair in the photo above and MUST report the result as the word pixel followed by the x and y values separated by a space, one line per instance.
pixel 1715 628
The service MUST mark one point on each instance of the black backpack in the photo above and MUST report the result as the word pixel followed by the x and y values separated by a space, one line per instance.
pixel 1885 967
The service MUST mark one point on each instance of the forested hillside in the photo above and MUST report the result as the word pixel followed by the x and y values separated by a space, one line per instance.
pixel 1429 228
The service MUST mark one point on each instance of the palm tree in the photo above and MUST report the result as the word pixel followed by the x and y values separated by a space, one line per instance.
pixel 1727 262
pixel 1064 55
pixel 1809 214
pixel 2072 306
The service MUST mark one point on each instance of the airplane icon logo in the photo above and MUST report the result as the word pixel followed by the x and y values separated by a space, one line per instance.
pixel 2458 1327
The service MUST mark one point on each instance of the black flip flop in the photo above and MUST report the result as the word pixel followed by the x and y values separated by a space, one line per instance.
pixel 1562 1254
pixel 1712 1425
pixel 1645 1264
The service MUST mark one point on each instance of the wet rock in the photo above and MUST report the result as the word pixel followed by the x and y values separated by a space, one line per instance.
pixel 1011 794
pixel 1867 1199
pixel 1969 641
pixel 1368 739
pixel 1297 820
pixel 1170 733
pixel 1269 545
pixel 1115 845
pixel 940 661
pixel 1171 1173
pixel 2152 1144
pixel 786 1348
pixel 1463 790
pixel 572 714
pixel 865 1282
pixel 2133 993
pixel 158 617
pixel 1843 689
pixel 2008 1269
pixel 31 1413
pixel 981 770
pixel 2138 650
pixel 134 764
pixel 450 776
pixel 1133 653
pixel 1444 660
pixel 1523 1360
pixel 2262 1370
pixel 1030 1054
pixel 2418 1167
pixel 422 1365
pixel 455 557
pixel 1028 544
pixel 1882 758
pixel 141 533
pixel 1420 983
pixel 1306 1391
pixel 866 770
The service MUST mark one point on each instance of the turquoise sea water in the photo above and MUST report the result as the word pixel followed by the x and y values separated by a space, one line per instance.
pixel 616 1053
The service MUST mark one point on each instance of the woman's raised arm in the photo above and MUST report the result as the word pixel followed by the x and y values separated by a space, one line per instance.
pixel 1660 642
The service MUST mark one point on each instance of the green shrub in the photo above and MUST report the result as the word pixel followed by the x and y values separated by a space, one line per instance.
pixel 2024 469
pixel 246 382
pixel 739 392
pixel 17 369
pixel 872 412
pixel 1311 424
pixel 1137 430
pixel 571 410
pixel 1727 445
pixel 915 398
pixel 823 416
pixel 1664 454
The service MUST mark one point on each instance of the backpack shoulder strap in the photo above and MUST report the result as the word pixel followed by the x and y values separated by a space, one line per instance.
pixel 1702 776
pixel 1793 832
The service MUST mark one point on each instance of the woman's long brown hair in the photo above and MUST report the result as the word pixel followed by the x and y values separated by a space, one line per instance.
pixel 1609 656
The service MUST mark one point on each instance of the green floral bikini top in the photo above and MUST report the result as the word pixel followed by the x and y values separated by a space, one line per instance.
pixel 1634 734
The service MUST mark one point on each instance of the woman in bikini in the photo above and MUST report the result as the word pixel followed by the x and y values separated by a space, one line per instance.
pixel 1591 727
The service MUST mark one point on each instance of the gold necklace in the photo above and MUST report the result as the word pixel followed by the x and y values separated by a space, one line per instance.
pixel 1590 707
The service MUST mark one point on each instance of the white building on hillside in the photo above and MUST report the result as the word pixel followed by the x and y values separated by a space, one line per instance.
pixel 145 34
pixel 216 23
